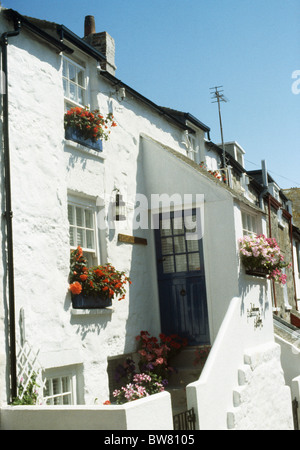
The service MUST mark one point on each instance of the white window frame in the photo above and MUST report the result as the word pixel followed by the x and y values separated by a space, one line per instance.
pixel 252 220
pixel 92 254
pixel 69 102
pixel 56 376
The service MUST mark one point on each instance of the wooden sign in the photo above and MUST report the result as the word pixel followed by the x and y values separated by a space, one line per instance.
pixel 131 239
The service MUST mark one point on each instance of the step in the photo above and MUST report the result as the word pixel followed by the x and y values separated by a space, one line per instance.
pixel 178 399
pixel 187 357
pixel 184 375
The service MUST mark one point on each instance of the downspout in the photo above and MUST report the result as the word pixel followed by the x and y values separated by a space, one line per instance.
pixel 8 212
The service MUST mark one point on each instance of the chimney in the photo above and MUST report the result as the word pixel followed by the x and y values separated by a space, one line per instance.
pixel 102 42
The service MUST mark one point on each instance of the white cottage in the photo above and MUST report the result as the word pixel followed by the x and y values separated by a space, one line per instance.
pixel 58 193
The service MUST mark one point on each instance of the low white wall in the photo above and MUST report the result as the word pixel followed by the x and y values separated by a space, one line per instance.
pixel 214 396
pixel 211 395
pixel 149 413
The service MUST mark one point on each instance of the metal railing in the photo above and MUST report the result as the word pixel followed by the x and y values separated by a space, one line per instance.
pixel 185 420
pixel 295 405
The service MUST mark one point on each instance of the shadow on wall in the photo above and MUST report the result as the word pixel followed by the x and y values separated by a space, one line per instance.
pixel 253 290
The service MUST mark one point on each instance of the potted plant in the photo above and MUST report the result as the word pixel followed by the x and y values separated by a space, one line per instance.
pixel 262 256
pixel 86 127
pixel 94 287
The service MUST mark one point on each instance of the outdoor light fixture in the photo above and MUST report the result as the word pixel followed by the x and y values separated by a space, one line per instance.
pixel 120 208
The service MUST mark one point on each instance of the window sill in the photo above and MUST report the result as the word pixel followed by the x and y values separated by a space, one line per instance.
pixel 92 312
pixel 84 149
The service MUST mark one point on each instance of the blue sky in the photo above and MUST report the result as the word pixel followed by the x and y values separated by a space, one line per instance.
pixel 174 51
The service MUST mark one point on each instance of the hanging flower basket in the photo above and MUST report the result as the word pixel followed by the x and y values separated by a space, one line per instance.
pixel 94 287
pixel 262 257
pixel 86 127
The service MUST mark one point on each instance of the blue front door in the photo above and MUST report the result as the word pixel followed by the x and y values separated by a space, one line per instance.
pixel 181 279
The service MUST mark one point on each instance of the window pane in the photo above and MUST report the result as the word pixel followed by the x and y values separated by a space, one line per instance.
pixel 166 246
pixel 165 227
pixel 181 263
pixel 80 237
pixel 168 264
pixel 72 73
pixel 178 225
pixel 72 237
pixel 190 223
pixel 179 244
pixel 80 96
pixel 65 68
pixel 66 90
pixel 89 239
pixel 73 94
pixel 192 245
pixel 71 214
pixel 88 219
pixel 80 77
pixel 79 217
pixel 194 261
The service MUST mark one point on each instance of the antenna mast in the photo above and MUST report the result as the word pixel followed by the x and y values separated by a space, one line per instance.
pixel 217 94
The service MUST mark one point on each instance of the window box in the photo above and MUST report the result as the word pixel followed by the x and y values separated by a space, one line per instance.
pixel 80 301
pixel 258 272
pixel 74 135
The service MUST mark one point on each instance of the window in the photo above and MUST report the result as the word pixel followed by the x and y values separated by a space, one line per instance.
pixel 192 146
pixel 59 391
pixel 74 83
pixel 82 228
pixel 249 224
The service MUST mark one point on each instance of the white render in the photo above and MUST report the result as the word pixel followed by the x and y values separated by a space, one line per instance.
pixel 145 154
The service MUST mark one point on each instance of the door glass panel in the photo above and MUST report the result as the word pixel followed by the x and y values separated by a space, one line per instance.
pixel 165 227
pixel 178 225
pixel 181 263
pixel 179 244
pixel 194 261
pixel 192 245
pixel 190 223
pixel 166 245
pixel 168 264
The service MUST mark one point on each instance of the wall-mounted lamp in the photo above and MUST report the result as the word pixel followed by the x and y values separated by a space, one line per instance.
pixel 119 208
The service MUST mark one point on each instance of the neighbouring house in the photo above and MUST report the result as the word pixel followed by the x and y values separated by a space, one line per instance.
pixel 176 236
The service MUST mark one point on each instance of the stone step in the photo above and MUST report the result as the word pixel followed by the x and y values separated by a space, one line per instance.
pixel 183 376
pixel 178 399
pixel 187 357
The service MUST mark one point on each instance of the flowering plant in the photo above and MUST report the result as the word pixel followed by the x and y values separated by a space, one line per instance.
pixel 104 280
pixel 27 395
pixel 260 252
pixel 91 124
pixel 155 354
pixel 142 385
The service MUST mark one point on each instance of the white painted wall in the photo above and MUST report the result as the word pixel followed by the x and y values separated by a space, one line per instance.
pixel 149 413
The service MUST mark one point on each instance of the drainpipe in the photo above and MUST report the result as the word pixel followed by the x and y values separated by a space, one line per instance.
pixel 8 212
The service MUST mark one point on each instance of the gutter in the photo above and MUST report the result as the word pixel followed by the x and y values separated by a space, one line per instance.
pixel 8 214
